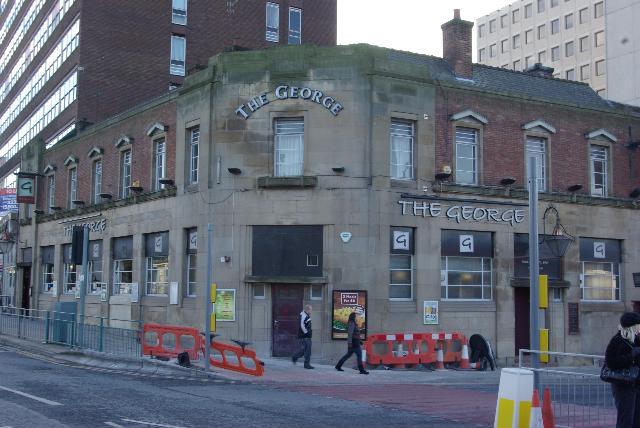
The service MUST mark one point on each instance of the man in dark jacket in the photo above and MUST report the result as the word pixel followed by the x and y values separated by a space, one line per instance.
pixel 304 333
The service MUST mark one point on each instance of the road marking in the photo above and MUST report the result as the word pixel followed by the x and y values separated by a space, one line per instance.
pixel 151 424
pixel 113 424
pixel 33 397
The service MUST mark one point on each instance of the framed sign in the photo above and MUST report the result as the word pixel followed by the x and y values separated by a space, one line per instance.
pixel 430 312
pixel 344 302
pixel 26 190
pixel 225 304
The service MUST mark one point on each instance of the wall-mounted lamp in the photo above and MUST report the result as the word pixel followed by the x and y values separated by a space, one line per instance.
pixel 136 189
pixel 507 181
pixel 54 208
pixel 635 193
pixel 166 181
pixel 559 240
pixel 105 195
pixel 38 211
pixel 444 173
pixel 338 169
pixel 574 187
pixel 234 171
pixel 78 202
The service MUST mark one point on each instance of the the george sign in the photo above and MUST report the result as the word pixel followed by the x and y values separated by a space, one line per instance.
pixel 285 92
pixel 8 203
pixel 26 190
pixel 193 240
pixel 599 251
pixel 344 303
pixel 466 243
pixel 460 213
pixel 430 312
pixel 401 240
pixel 98 226
pixel 225 304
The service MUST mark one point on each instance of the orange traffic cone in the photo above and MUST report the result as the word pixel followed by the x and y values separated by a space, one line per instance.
pixel 464 360
pixel 547 410
pixel 535 417
pixel 440 360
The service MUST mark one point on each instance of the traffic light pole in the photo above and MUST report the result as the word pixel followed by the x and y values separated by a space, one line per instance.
pixel 533 268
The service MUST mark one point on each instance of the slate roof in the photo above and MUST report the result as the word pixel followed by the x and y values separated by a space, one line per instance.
pixel 514 83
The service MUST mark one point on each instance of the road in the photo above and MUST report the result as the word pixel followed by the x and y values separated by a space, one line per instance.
pixel 40 393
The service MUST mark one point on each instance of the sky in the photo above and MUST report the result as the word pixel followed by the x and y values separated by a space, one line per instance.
pixel 410 25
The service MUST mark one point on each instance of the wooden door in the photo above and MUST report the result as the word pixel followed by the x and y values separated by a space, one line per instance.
pixel 287 305
pixel 521 301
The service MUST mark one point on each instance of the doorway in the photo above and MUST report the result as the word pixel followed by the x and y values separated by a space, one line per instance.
pixel 521 301
pixel 26 286
pixel 287 304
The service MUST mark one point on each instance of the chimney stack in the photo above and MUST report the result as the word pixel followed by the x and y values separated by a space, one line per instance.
pixel 538 69
pixel 456 38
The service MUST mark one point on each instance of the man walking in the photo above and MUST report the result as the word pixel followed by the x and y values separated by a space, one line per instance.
pixel 304 333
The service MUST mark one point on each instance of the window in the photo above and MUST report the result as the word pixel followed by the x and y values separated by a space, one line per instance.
pixel 568 21
pixel 600 67
pixel 316 291
pixel 599 38
pixel 584 15
pixel 599 160
pixel 51 193
pixel 570 74
pixel 555 53
pixel 273 23
pixel 157 279
pixel 73 187
pixel 541 6
pixel 598 9
pixel 179 12
pixel 466 156
pixel 492 26
pixel 528 36
pixel 259 291
pixel 48 271
pixel 466 278
pixel 504 21
pixel 504 45
pixel 295 26
pixel 192 261
pixel 492 50
pixel 542 57
pixel 555 26
pixel 481 30
pixel 159 163
pixel 178 55
pixel 515 16
pixel 585 72
pixel 97 181
pixel 557 294
pixel 537 147
pixel 528 10
pixel 542 31
pixel 401 136
pixel 516 65
pixel 401 276
pixel 122 276
pixel 194 142
pixel 481 55
pixel 554 3
pixel 95 284
pixel 568 48
pixel 125 173
pixel 69 278
pixel 289 147
pixel 516 41
pixel 600 281
pixel 584 43
pixel 528 62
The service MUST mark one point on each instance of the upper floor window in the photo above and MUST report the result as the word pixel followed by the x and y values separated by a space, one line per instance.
pixel 568 21
pixel 492 50
pixel 585 72
pixel 178 55
pixel 584 15
pixel 584 43
pixel 295 26
pixel 542 31
pixel 599 38
pixel 481 55
pixel 51 193
pixel 73 187
pixel 97 181
pixel 528 10
pixel 541 6
pixel 289 147
pixel 554 3
pixel 481 29
pixel 569 48
pixel 555 53
pixel 273 23
pixel 504 21
pixel 159 163
pixel 600 67
pixel 492 26
pixel 125 173
pixel 516 41
pixel 466 156
pixel 542 57
pixel 401 136
pixel 537 148
pixel 515 15
pixel 194 144
pixel 179 12
pixel 598 9
pixel 528 36
pixel 570 74
pixel 555 26
pixel 599 159
pixel 504 46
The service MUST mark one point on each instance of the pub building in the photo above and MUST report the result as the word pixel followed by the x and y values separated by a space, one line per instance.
pixel 351 178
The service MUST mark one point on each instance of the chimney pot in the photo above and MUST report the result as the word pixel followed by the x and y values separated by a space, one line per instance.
pixel 456 13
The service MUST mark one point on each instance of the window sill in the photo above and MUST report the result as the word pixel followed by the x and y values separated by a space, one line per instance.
pixel 271 182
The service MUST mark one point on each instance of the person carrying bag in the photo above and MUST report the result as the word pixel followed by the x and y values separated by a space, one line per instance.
pixel 353 344
pixel 622 369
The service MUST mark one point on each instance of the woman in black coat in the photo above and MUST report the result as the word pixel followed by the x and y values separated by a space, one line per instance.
pixel 622 352
pixel 353 344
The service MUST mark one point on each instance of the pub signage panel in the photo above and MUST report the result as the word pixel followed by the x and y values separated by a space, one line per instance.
pixel 463 213
pixel 285 92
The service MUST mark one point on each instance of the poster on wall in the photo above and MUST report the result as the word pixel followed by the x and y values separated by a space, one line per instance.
pixel 430 312
pixel 8 202
pixel 345 302
pixel 225 304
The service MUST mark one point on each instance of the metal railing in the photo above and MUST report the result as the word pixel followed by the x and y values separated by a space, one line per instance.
pixel 97 333
pixel 579 397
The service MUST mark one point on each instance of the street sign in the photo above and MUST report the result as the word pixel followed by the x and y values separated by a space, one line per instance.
pixel 26 190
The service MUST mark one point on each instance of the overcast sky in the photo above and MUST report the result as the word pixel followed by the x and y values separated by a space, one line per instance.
pixel 409 25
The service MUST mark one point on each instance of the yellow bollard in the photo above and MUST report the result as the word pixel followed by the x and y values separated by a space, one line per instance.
pixel 543 291
pixel 544 345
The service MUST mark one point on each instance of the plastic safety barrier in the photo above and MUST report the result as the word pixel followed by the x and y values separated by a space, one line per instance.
pixel 236 361
pixel 167 341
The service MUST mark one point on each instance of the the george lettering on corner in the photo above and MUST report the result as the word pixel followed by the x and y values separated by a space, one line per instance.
pixel 284 92
pixel 94 226
pixel 462 212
